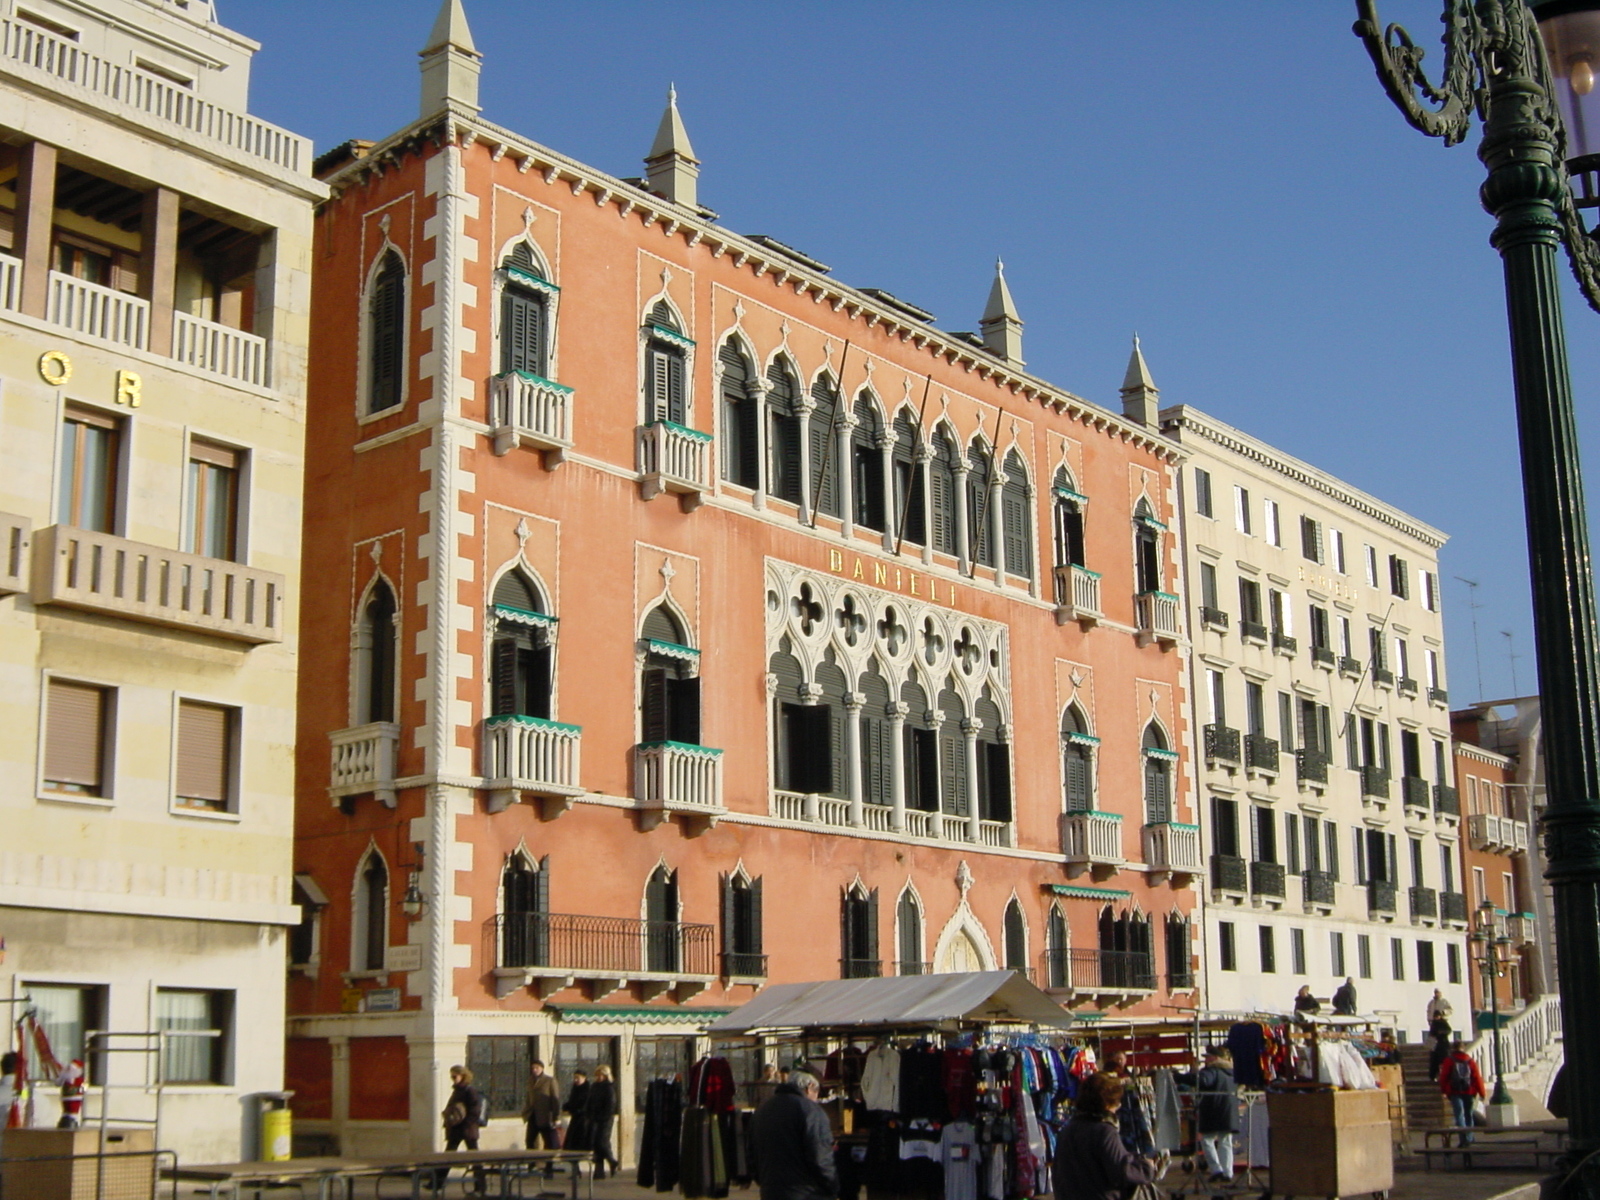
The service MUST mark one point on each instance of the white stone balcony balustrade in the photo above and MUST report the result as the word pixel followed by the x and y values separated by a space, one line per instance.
pixel 98 312
pixel 1157 617
pixel 1174 848
pixel 532 755
pixel 100 572
pixel 674 458
pixel 1092 839
pixel 676 779
pixel 528 410
pixel 16 541
pixel 219 349
pixel 1077 595
pixel 364 758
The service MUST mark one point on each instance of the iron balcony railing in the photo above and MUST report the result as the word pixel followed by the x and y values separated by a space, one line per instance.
pixel 1311 766
pixel 1214 617
pixel 1229 874
pixel 1382 896
pixel 1452 906
pixel 1439 696
pixel 860 968
pixel 1099 970
pixel 1222 743
pixel 1317 888
pixel 1350 666
pixel 1267 879
pixel 1382 676
pixel 1283 643
pixel 1180 981
pixel 1424 903
pixel 737 965
pixel 1253 631
pixel 1414 791
pixel 913 968
pixel 1407 686
pixel 1261 752
pixel 1446 800
pixel 608 945
pixel 1321 656
pixel 1375 782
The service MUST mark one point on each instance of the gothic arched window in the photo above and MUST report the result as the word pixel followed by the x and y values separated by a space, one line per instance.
pixel 866 467
pixel 1016 518
pixel 521 654
pixel 669 705
pixel 740 418
pixel 524 314
pixel 375 647
pixel 386 317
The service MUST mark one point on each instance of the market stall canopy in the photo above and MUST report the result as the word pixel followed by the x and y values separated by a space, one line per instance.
pixel 1000 997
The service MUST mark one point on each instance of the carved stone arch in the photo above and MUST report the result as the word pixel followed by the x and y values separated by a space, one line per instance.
pixel 663 297
pixel 1161 732
pixel 963 925
pixel 805 591
pixel 365 924
pixel 1062 476
pixel 379 575
pixel 1014 452
pixel 675 611
pixel 740 871
pixel 908 898
pixel 1014 904
pixel 541 261
pixel 521 564
pixel 1084 720
pixel 857 887
pixel 782 358
pixel 379 257
pixel 851 619
pixel 671 874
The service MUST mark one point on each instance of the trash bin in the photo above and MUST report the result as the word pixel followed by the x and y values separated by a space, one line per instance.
pixel 277 1126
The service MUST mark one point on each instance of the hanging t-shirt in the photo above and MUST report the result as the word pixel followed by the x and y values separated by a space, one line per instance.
pixel 959 1151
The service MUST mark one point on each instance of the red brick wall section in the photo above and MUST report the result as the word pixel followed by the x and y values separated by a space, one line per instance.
pixel 380 1079
pixel 308 1073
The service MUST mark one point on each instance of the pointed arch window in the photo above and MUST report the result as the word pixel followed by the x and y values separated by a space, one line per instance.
pixel 1016 938
pixel 908 935
pixel 369 926
pixel 783 396
pixel 742 956
pixel 740 419
pixel 525 298
pixel 824 447
pixel 662 951
pixel 1158 762
pixel 1067 506
pixel 525 912
pixel 1147 539
pixel 994 764
pixel 666 376
pixel 910 504
pixel 1057 943
pixel 942 489
pixel 1180 964
pixel 1016 518
pixel 866 467
pixel 920 747
pixel 376 643
pixel 858 934
pixel 669 682
pixel 521 654
pixel 1126 960
pixel 979 516
pixel 1077 753
pixel 386 315
pixel 953 792
pixel 877 741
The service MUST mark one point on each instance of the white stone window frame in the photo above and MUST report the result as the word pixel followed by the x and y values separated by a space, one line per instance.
pixel 649 332
pixel 359 913
pixel 546 287
pixel 364 335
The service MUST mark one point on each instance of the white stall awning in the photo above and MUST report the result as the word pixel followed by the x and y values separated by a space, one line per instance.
pixel 1001 997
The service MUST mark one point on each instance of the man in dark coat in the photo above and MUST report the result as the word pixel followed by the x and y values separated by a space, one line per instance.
pixel 1216 1111
pixel 792 1145
pixel 1344 999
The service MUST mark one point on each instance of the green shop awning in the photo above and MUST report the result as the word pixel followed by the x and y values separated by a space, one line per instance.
pixel 645 1014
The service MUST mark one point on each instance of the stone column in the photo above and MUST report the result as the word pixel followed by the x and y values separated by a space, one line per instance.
pixel 807 500
pixel 35 224
pixel 158 263
pixel 924 456
pixel 756 394
pixel 853 702
pixel 339 1089
pixel 844 450
pixel 995 518
pixel 969 728
pixel 897 764
pixel 963 547
pixel 891 510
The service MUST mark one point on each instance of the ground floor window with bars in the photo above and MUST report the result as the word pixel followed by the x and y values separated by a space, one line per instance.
pixel 199 1028
pixel 499 1067
pixel 659 1058
pixel 583 1054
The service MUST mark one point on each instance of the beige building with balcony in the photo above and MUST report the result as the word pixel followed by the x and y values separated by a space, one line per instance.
pixel 1330 819
pixel 154 261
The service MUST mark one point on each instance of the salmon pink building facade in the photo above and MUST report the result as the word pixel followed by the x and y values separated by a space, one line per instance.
pixel 689 621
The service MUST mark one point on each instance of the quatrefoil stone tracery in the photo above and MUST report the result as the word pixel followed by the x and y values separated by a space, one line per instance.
pixel 851 622
pixel 932 641
pixel 892 631
pixel 806 610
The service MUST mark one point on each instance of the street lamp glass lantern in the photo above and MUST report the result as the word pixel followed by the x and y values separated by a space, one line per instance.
pixel 1571 31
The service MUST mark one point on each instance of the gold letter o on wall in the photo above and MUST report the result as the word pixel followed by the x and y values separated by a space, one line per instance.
pixel 55 368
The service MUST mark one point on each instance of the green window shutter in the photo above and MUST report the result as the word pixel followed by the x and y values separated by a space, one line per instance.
pixel 824 450
pixel 943 481
pixel 522 331
pixel 753 943
pixel 503 677
pixel 653 707
pixel 730 936
pixel 1018 529
pixel 386 335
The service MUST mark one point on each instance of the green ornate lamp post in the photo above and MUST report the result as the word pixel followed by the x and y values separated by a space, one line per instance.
pixel 1496 69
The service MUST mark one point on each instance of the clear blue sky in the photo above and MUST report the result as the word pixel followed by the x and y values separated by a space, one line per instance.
pixel 1228 180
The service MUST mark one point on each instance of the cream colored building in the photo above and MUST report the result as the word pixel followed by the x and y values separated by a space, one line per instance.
pixel 1328 810
pixel 153 299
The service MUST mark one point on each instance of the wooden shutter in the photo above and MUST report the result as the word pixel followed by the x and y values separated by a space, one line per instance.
pixel 871 946
pixel 1158 807
pixel 74 748
pixel 653 708
pixel 824 458
pixel 847 947
pixel 1077 770
pixel 730 938
pixel 754 942
pixel 683 711
pixel 503 677
pixel 1018 529
pixel 204 769
pixel 980 543
pixel 522 321
pixel 677 406
pixel 386 335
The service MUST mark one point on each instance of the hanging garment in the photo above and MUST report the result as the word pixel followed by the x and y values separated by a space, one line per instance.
pixel 880 1079
pixel 1247 1043
pixel 663 1129
pixel 711 1085
pixel 1167 1128
pixel 959 1152
pixel 994 1173
pixel 922 1084
pixel 959 1085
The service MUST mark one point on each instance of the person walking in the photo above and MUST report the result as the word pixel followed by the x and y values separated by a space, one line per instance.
pixel 542 1109
pixel 1439 1011
pixel 1344 999
pixel 1216 1110
pixel 1462 1083
pixel 600 1113
pixel 463 1112
pixel 1091 1160
pixel 791 1145
pixel 576 1136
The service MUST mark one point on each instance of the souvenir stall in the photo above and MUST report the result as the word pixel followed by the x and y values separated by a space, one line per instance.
pixel 949 1085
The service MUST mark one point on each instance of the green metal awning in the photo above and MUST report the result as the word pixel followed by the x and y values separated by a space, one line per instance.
pixel 645 1014
pixel 1087 893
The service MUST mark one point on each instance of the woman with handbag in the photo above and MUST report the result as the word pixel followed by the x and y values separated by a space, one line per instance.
pixel 1091 1163
pixel 463 1112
